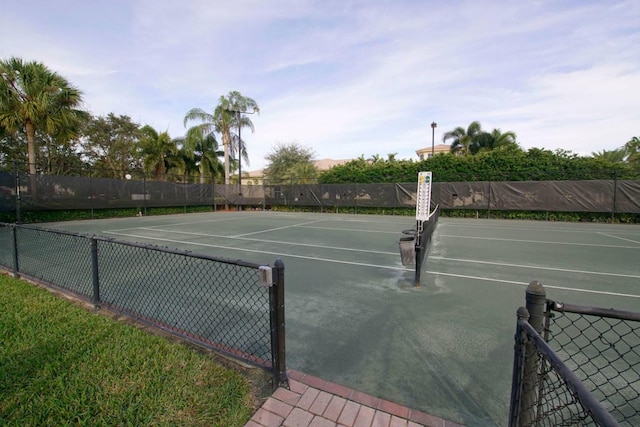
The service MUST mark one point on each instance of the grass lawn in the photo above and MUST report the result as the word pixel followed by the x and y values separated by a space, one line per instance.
pixel 63 365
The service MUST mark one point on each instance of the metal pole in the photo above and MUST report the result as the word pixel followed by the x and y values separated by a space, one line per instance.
pixel 144 193
pixel 94 270
pixel 518 361
pixel 433 137
pixel 536 298
pixel 15 168
pixel 276 299
pixel 239 162
pixel 14 242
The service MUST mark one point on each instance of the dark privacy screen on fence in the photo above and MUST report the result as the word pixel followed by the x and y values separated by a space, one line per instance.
pixel 70 192
pixel 222 304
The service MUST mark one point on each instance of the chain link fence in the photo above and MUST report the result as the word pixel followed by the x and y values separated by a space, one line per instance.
pixel 230 306
pixel 575 365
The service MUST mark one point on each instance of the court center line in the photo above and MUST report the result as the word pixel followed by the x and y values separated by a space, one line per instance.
pixel 385 267
pixel 511 282
pixel 278 228
pixel 533 267
pixel 616 237
pixel 279 242
pixel 540 241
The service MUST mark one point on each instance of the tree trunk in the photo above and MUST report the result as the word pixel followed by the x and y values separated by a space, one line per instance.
pixel 226 139
pixel 31 150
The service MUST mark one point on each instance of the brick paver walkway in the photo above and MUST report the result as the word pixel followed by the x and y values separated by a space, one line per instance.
pixel 313 402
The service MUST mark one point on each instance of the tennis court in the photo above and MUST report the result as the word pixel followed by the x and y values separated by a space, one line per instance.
pixel 353 316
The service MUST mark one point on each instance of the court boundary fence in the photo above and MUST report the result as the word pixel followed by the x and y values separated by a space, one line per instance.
pixel 232 307
pixel 22 192
pixel 574 365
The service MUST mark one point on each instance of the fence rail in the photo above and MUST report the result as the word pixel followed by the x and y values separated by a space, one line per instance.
pixel 575 365
pixel 230 306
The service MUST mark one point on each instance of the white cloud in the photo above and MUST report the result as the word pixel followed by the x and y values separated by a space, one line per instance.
pixel 351 78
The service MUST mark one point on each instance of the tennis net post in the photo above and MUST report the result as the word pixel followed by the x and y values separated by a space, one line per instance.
pixel 425 230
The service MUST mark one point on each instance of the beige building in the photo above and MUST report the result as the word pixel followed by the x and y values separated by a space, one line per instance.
pixel 425 153
pixel 255 177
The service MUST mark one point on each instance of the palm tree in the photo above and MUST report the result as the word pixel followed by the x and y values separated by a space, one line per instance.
pixel 32 97
pixel 632 151
pixel 204 150
pixel 486 141
pixel 225 120
pixel 463 139
pixel 613 156
pixel 159 151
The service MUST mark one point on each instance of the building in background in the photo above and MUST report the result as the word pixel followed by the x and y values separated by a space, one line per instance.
pixel 425 153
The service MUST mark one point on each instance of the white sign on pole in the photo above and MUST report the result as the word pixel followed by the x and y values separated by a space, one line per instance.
pixel 423 205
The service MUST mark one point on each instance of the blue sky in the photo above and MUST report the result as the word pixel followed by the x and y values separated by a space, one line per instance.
pixel 350 78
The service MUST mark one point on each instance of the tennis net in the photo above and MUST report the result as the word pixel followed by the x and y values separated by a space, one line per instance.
pixel 423 238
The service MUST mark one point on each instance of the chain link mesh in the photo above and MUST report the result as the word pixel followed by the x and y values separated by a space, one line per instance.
pixel 604 353
pixel 61 259
pixel 216 302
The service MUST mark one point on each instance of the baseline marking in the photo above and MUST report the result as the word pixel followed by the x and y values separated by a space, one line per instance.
pixel 621 238
pixel 540 241
pixel 510 282
pixel 534 267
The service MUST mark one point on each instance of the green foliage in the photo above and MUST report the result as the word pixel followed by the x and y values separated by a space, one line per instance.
pixel 502 164
pixel 62 365
pixel 292 164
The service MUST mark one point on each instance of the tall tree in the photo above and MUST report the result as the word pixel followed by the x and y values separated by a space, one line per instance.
pixel 613 156
pixel 111 145
pixel 32 97
pixel 204 150
pixel 290 163
pixel 463 139
pixel 159 151
pixel 632 150
pixel 486 141
pixel 225 121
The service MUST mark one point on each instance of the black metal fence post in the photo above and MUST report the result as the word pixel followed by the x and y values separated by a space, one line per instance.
pixel 18 201
pixel 94 269
pixel 536 301
pixel 518 365
pixel 276 300
pixel 14 243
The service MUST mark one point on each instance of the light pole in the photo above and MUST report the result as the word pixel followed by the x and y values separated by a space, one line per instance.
pixel 434 125
pixel 239 119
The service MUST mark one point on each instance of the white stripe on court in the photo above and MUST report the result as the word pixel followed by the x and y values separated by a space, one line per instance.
pixel 533 267
pixel 621 238
pixel 539 241
pixel 385 267
pixel 451 222
pixel 510 282
pixel 358 231
pixel 337 261
pixel 182 223
pixel 278 242
pixel 278 228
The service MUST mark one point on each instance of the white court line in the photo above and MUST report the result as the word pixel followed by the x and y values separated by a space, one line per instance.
pixel 181 223
pixel 451 223
pixel 621 238
pixel 278 228
pixel 385 267
pixel 540 241
pixel 279 242
pixel 566 270
pixel 337 261
pixel 510 282
pixel 357 231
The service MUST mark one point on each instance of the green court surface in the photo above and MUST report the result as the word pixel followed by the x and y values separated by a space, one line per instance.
pixel 353 316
